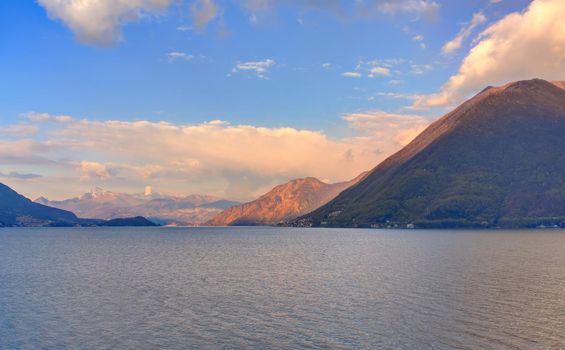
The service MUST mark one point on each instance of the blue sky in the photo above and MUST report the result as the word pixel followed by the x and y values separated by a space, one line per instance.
pixel 259 63
pixel 135 79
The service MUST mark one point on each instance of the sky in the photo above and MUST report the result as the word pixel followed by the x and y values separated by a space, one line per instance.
pixel 232 97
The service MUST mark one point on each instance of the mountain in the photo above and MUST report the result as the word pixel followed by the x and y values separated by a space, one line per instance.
pixel 282 203
pixel 102 204
pixel 497 160
pixel 17 210
pixel 135 221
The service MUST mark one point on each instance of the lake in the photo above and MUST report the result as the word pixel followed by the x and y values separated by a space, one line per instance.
pixel 280 288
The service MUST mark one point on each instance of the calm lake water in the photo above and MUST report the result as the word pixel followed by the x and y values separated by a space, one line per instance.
pixel 271 288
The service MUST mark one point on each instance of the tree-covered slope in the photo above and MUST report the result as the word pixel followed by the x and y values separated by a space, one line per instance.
pixel 497 160
pixel 16 210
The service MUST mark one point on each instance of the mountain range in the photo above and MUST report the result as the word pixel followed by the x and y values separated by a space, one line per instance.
pixel 283 203
pixel 17 210
pixel 163 209
pixel 498 160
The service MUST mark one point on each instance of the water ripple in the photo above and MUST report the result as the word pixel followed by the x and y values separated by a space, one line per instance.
pixel 276 288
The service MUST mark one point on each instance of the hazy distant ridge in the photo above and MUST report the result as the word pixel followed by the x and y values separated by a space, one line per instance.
pixel 17 210
pixel 165 209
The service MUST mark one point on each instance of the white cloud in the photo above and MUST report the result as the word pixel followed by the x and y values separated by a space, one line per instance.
pixel 177 55
pixel 203 12
pixel 375 68
pixel 418 38
pixel 419 69
pixel 258 68
pixel 351 74
pixel 455 44
pixel 519 46
pixel 98 22
pixel 379 71
pixel 96 170
pixel 398 95
pixel 425 7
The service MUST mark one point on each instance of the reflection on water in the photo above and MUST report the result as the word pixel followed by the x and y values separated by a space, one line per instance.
pixel 129 288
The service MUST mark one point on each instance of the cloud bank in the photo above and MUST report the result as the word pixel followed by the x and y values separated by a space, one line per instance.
pixel 216 157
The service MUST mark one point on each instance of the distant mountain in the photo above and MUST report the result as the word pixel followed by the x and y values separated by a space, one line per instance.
pixel 282 203
pixel 498 160
pixel 102 204
pixel 17 210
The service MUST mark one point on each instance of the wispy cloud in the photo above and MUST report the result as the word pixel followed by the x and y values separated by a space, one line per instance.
pixel 351 74
pixel 419 39
pixel 44 117
pixel 398 95
pixel 455 44
pixel 419 69
pixel 383 6
pixel 374 68
pixel 19 176
pixel 184 28
pixel 258 68
pixel 177 55
pixel 379 71
pixel 19 129
pixel 425 7
pixel 397 129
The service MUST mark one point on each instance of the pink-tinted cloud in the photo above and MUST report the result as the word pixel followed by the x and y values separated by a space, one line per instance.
pixel 519 46
pixel 238 161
